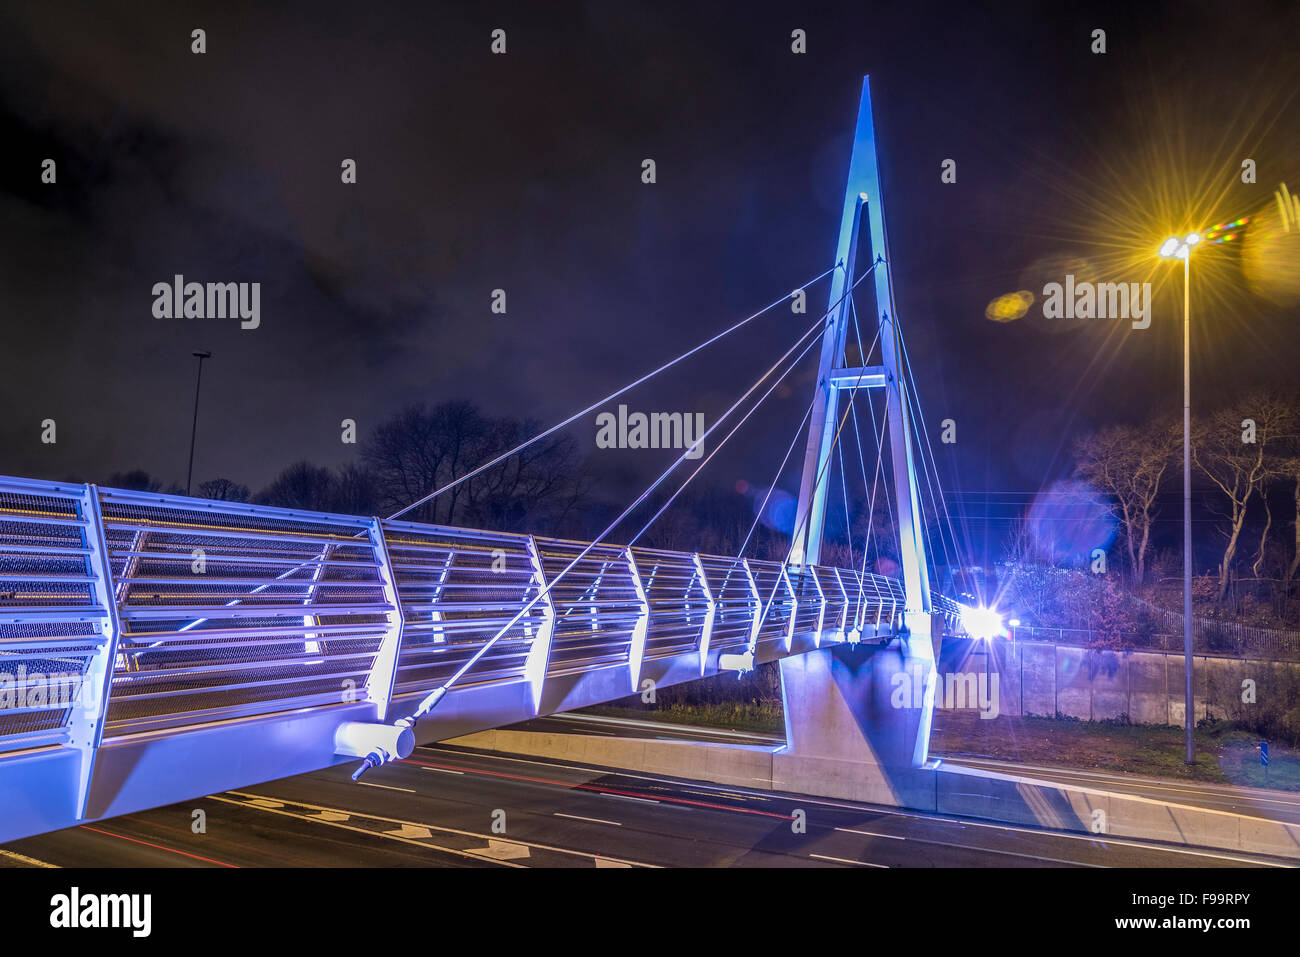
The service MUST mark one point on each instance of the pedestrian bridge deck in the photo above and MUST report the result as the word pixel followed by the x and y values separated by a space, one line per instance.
pixel 155 647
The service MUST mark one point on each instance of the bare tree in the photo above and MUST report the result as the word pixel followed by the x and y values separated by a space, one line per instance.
pixel 301 485
pixel 1236 449
pixel 1290 467
pixel 422 449
pixel 223 490
pixel 355 490
pixel 137 480
pixel 1129 464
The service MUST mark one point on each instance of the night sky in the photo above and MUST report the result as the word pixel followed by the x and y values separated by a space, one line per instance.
pixel 523 172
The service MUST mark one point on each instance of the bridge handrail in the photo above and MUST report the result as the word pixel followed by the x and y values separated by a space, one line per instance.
pixel 192 611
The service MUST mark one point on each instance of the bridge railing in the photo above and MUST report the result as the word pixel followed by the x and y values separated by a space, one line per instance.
pixel 125 612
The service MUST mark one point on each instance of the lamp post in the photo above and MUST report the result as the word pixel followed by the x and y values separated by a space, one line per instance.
pixel 194 427
pixel 1176 248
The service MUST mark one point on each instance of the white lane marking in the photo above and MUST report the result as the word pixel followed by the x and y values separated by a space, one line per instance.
pixel 875 809
pixel 606 862
pixel 892 837
pixel 970 847
pixel 504 850
pixel 443 770
pixel 841 860
pixel 25 860
pixel 414 831
pixel 433 827
pixel 1025 854
pixel 593 820
pixel 358 830
pixel 331 816
pixel 386 787
pixel 625 797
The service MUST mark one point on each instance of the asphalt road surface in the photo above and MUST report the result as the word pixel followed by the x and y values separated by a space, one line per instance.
pixel 451 807
pixel 1258 802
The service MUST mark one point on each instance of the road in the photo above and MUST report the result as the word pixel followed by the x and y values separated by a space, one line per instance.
pixel 1257 802
pixel 1275 805
pixel 439 809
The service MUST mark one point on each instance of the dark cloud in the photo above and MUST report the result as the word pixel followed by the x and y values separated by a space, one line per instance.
pixel 522 172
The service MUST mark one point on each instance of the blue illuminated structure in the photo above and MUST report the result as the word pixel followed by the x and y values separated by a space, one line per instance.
pixel 864 205
pixel 156 648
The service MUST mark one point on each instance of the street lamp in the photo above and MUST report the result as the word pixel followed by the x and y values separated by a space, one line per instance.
pixel 1176 248
pixel 194 428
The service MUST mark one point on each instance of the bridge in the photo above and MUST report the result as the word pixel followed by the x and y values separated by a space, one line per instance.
pixel 156 648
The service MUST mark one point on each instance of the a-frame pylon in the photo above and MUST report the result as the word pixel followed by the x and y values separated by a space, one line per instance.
pixel 864 206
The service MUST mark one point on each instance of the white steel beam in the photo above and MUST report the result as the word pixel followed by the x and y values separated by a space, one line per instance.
pixel 383 670
pixel 869 377
pixel 821 598
pixel 90 712
pixel 636 651
pixel 794 606
pixel 706 633
pixel 539 652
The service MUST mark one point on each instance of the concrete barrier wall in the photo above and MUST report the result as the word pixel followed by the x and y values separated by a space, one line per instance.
pixel 1044 679
pixel 966 792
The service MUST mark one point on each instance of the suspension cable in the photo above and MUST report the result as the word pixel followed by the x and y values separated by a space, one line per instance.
pixel 822 472
pixel 735 428
pixel 437 694
pixel 942 503
pixel 595 405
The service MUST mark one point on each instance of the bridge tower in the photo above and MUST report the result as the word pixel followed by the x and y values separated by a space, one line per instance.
pixel 863 205
pixel 846 720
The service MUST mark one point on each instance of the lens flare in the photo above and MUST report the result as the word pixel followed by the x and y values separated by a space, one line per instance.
pixel 1009 307
pixel 980 622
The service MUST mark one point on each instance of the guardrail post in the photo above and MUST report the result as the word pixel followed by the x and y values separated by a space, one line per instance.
pixel 794 606
pixel 539 652
pixel 636 651
pixel 706 633
pixel 89 714
pixel 840 629
pixel 757 624
pixel 310 645
pixel 821 597
pixel 435 616
pixel 383 671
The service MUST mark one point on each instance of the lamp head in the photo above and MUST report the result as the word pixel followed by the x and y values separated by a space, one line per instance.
pixel 1179 248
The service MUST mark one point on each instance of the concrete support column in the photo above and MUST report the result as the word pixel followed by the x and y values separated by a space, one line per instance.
pixel 858 723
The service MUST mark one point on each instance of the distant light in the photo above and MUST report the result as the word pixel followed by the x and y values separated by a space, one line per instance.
pixel 1169 248
pixel 1014 623
pixel 982 623
pixel 1193 239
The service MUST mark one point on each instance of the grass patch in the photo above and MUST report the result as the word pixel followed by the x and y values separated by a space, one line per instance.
pixel 1225 755
pixel 759 717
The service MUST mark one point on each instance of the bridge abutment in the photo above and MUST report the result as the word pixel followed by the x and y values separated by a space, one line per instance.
pixel 857 721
